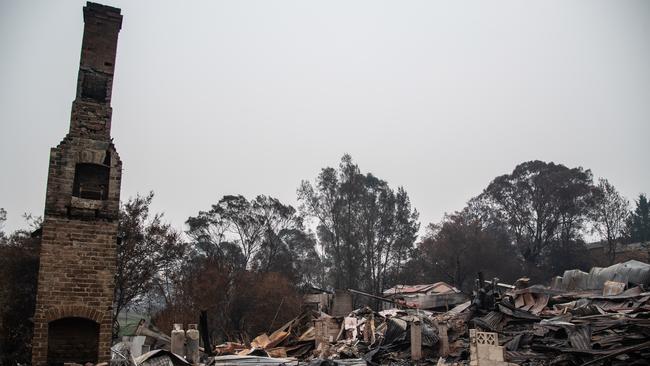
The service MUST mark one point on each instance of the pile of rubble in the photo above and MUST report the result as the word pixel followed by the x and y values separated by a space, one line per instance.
pixel 362 337
pixel 582 318
pixel 600 317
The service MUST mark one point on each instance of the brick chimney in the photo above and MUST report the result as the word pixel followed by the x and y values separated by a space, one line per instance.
pixel 73 319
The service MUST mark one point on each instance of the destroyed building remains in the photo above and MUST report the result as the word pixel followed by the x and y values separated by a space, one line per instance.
pixel 579 318
pixel 602 321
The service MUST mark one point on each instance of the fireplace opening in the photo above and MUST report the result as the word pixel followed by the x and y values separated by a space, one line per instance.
pixel 72 340
pixel 91 181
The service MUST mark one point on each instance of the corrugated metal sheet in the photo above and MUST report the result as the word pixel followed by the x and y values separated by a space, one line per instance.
pixel 629 272
pixel 491 321
pixel 435 301
pixel 579 336
pixel 253 360
pixel 438 287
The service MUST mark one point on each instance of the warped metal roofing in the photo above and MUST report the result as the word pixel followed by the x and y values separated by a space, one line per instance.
pixel 438 287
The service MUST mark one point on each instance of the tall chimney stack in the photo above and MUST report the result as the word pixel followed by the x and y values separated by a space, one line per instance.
pixel 73 321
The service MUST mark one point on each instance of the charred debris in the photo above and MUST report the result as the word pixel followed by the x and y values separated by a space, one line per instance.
pixel 596 318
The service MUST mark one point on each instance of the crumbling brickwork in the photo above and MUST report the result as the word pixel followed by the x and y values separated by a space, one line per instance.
pixel 73 319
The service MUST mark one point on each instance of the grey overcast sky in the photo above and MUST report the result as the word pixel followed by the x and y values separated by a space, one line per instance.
pixel 250 97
